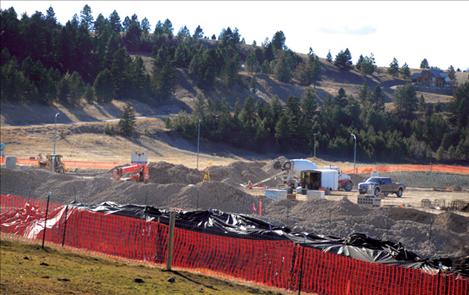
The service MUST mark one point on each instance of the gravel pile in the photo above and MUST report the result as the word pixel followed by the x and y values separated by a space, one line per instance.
pixel 163 172
pixel 425 233
pixel 33 182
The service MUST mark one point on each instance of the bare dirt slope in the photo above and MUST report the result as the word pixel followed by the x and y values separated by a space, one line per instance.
pixel 88 141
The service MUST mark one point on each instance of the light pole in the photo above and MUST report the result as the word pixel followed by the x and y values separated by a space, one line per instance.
pixel 55 141
pixel 198 142
pixel 354 152
pixel 314 146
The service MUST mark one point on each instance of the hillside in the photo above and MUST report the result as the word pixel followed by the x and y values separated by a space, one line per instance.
pixel 262 98
pixel 26 268
pixel 186 91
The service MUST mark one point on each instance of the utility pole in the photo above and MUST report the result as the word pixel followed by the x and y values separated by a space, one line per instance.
pixel 55 141
pixel 354 152
pixel 198 142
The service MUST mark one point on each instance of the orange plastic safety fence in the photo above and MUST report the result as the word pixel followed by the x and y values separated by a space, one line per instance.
pixel 69 164
pixel 277 263
pixel 409 168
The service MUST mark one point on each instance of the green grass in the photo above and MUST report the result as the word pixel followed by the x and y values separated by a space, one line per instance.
pixel 28 269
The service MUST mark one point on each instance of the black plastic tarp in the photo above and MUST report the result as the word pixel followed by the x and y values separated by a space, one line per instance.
pixel 357 246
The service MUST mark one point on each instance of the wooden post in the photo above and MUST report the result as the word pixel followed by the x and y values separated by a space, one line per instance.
pixel 65 226
pixel 45 221
pixel 172 222
pixel 300 279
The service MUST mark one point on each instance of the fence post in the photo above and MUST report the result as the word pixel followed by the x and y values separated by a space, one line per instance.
pixel 172 222
pixel 301 268
pixel 65 226
pixel 45 221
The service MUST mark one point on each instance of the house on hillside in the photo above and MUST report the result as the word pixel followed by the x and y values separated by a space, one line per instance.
pixel 434 78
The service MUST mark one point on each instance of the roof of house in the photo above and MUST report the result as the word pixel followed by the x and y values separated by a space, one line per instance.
pixel 434 72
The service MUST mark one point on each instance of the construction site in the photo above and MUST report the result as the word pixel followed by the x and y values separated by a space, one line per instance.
pixel 215 155
pixel 431 218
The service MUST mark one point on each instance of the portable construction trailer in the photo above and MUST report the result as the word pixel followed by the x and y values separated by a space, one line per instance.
pixel 329 179
pixel 316 179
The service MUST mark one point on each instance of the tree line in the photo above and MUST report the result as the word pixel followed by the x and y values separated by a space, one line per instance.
pixel 44 61
pixel 414 130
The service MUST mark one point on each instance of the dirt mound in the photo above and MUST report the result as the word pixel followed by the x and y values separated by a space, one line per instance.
pixel 31 182
pixel 426 233
pixel 239 173
pixel 215 195
pixel 234 174
pixel 164 172
pixel 452 222
pixel 410 214
pixel 269 167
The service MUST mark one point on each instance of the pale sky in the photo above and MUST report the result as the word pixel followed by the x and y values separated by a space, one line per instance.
pixel 406 30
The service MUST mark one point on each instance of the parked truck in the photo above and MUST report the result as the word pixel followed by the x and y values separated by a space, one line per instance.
pixel 381 185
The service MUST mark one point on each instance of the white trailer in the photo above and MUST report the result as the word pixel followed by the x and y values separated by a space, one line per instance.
pixel 329 179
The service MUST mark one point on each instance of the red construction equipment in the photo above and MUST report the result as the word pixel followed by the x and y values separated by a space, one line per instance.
pixel 135 172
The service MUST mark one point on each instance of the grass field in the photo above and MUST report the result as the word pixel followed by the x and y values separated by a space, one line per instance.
pixel 28 269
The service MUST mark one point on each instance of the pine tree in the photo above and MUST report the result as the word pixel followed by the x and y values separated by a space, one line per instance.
pixel 163 74
pixel 126 23
pixel 89 94
pixel 86 18
pixel 184 33
pixel 309 123
pixel 329 57
pixel 281 128
pixel 278 41
pixel 406 101
pixel 50 16
pixel 451 73
pixel 460 106
pixel 198 33
pixel 378 98
pixel 103 86
pixel 252 65
pixel 63 90
pixel 424 64
pixel 145 26
pixel 343 59
pixel 405 71
pixel 115 22
pixel 394 67
pixel 120 73
pixel 366 64
pixel 127 121
pixel 168 28
pixel 282 71
pixel 440 153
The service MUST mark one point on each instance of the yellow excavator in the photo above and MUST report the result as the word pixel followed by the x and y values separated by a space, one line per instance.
pixel 51 162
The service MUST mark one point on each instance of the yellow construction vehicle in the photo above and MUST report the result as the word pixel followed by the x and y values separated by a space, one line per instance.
pixel 51 162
